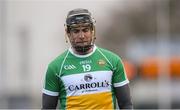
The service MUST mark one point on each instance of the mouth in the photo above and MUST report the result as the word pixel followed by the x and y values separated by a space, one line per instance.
pixel 81 42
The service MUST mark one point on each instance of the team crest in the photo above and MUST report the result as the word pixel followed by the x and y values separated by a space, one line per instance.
pixel 101 62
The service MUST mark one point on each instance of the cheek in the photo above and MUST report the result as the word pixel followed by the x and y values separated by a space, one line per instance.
pixel 73 36
pixel 89 36
pixel 71 39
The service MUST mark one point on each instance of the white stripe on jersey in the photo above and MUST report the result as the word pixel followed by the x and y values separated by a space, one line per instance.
pixel 63 63
pixel 50 92
pixel 121 83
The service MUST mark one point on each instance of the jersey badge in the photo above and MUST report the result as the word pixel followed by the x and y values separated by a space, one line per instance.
pixel 101 62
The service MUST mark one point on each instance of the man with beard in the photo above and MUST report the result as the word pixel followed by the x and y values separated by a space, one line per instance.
pixel 85 76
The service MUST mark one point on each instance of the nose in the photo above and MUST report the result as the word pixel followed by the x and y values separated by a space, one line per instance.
pixel 81 34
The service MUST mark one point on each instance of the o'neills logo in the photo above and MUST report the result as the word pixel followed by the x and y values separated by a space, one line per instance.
pixel 92 85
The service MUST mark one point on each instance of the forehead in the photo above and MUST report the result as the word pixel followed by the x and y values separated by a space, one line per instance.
pixel 84 25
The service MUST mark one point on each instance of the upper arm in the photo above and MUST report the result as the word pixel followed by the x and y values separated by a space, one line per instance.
pixel 121 85
pixel 50 89
pixel 123 97
pixel 49 102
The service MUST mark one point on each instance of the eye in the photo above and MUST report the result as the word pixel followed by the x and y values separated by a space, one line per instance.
pixel 85 30
pixel 75 31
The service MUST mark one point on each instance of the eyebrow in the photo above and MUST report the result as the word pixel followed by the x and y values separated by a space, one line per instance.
pixel 78 28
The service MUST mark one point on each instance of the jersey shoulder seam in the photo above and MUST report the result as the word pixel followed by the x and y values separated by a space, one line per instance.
pixel 57 62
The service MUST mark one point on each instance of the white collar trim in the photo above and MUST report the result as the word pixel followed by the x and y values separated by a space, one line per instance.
pixel 83 56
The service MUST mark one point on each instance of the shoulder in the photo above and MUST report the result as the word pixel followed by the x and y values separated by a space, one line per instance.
pixel 108 53
pixel 112 58
pixel 58 60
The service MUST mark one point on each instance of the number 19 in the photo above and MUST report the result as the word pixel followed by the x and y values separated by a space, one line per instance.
pixel 86 67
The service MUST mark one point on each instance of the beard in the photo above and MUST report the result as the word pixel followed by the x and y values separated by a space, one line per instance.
pixel 83 49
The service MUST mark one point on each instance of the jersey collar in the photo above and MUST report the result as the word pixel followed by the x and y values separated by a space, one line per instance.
pixel 83 56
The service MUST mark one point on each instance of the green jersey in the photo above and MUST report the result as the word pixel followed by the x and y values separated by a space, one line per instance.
pixel 85 81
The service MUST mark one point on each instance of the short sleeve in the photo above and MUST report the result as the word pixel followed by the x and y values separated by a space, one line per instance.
pixel 119 74
pixel 51 82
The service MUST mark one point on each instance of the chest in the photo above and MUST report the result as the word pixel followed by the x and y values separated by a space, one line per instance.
pixel 86 76
pixel 73 66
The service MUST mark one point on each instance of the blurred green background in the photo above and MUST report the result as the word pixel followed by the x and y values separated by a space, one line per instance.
pixel 144 33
